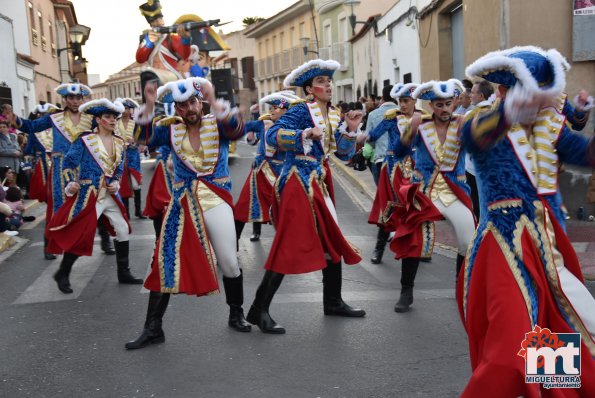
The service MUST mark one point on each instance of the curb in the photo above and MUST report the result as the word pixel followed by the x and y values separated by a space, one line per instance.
pixel 30 204
pixel 350 174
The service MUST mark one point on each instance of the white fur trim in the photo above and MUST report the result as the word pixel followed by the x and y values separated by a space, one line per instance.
pixel 74 88
pixel 45 108
pixel 434 86
pixel 173 89
pixel 114 106
pixel 496 60
pixel 287 96
pixel 315 63
pixel 586 107
pixel 121 100
pixel 400 89
pixel 141 116
pixel 225 107
pixel 307 143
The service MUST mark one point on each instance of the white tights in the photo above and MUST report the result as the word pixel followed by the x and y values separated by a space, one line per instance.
pixel 221 229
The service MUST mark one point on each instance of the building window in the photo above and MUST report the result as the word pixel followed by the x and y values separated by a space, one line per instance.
pixel 291 37
pixel 303 29
pixel 342 30
pixel 407 78
pixel 48 96
pixel 52 42
pixel 40 17
pixel 34 34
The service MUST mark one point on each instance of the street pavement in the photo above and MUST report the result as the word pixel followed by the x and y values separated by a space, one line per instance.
pixel 73 345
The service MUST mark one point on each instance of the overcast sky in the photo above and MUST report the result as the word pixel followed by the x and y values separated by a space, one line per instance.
pixel 116 24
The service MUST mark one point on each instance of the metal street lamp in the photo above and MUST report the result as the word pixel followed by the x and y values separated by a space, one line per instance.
pixel 352 18
pixel 305 41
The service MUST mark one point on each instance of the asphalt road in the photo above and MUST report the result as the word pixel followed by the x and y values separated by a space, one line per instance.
pixel 73 345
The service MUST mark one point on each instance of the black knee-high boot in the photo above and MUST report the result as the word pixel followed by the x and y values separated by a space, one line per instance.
pixel 157 224
pixel 234 296
pixel 408 271
pixel 46 255
pixel 381 240
pixel 333 303
pixel 460 262
pixel 137 203
pixel 106 242
pixel 259 312
pixel 62 275
pixel 256 227
pixel 122 260
pixel 239 228
pixel 152 331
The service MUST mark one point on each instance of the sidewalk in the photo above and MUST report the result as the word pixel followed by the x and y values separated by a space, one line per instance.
pixel 581 233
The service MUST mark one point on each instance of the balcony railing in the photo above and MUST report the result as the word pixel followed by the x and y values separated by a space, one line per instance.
pixel 341 54
pixel 282 63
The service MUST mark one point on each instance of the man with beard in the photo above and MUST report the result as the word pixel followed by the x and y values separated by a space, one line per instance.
pixel 92 172
pixel 198 224
pixel 438 184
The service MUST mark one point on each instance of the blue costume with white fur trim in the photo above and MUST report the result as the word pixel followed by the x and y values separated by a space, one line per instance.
pixel 521 270
pixel 257 195
pixel 64 132
pixel 90 164
pixel 201 182
pixel 306 167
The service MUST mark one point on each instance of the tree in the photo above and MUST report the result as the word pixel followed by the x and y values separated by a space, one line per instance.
pixel 251 20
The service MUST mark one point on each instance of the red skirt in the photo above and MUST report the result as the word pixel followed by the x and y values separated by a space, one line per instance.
pixel 37 185
pixel 497 320
pixel 306 231
pixel 257 186
pixel 158 194
pixel 183 261
pixel 412 219
pixel 125 185
pixel 67 234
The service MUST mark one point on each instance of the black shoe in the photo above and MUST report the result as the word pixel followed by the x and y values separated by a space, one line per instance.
pixel 152 331
pixel 256 228
pixel 62 275
pixel 28 218
pixel 263 320
pixel 153 334
pixel 234 296
pixel 106 242
pixel 343 309
pixel 259 311
pixel 381 240
pixel 333 304
pixel 405 300
pixel 124 275
pixel 49 256
pixel 137 204
pixel 426 259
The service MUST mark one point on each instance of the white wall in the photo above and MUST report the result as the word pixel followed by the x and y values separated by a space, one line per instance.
pixel 8 66
pixel 404 46
pixel 366 61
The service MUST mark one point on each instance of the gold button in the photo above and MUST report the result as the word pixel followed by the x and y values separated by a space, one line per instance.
pixel 534 171
pixel 552 174
pixel 504 211
pixel 179 151
pixel 554 162
pixel 551 186
pixel 183 157
pixel 522 141
pixel 529 156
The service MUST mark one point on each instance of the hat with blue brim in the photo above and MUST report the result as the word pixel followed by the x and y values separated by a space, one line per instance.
pixel 46 108
pixel 309 70
pixel 538 71
pixel 401 90
pixel 436 90
pixel 182 90
pixel 282 99
pixel 102 106
pixel 127 102
pixel 73 89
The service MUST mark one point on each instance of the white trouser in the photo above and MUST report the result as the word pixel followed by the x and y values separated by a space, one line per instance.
pixel 110 209
pixel 135 184
pixel 461 220
pixel 221 229
pixel 580 298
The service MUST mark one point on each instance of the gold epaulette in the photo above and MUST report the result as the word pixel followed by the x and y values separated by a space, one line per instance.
pixel 167 121
pixel 425 117
pixel 298 101
pixel 266 116
pixel 391 114
pixel 116 135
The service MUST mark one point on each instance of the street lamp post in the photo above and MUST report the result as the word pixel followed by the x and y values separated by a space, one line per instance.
pixel 305 45
pixel 76 36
